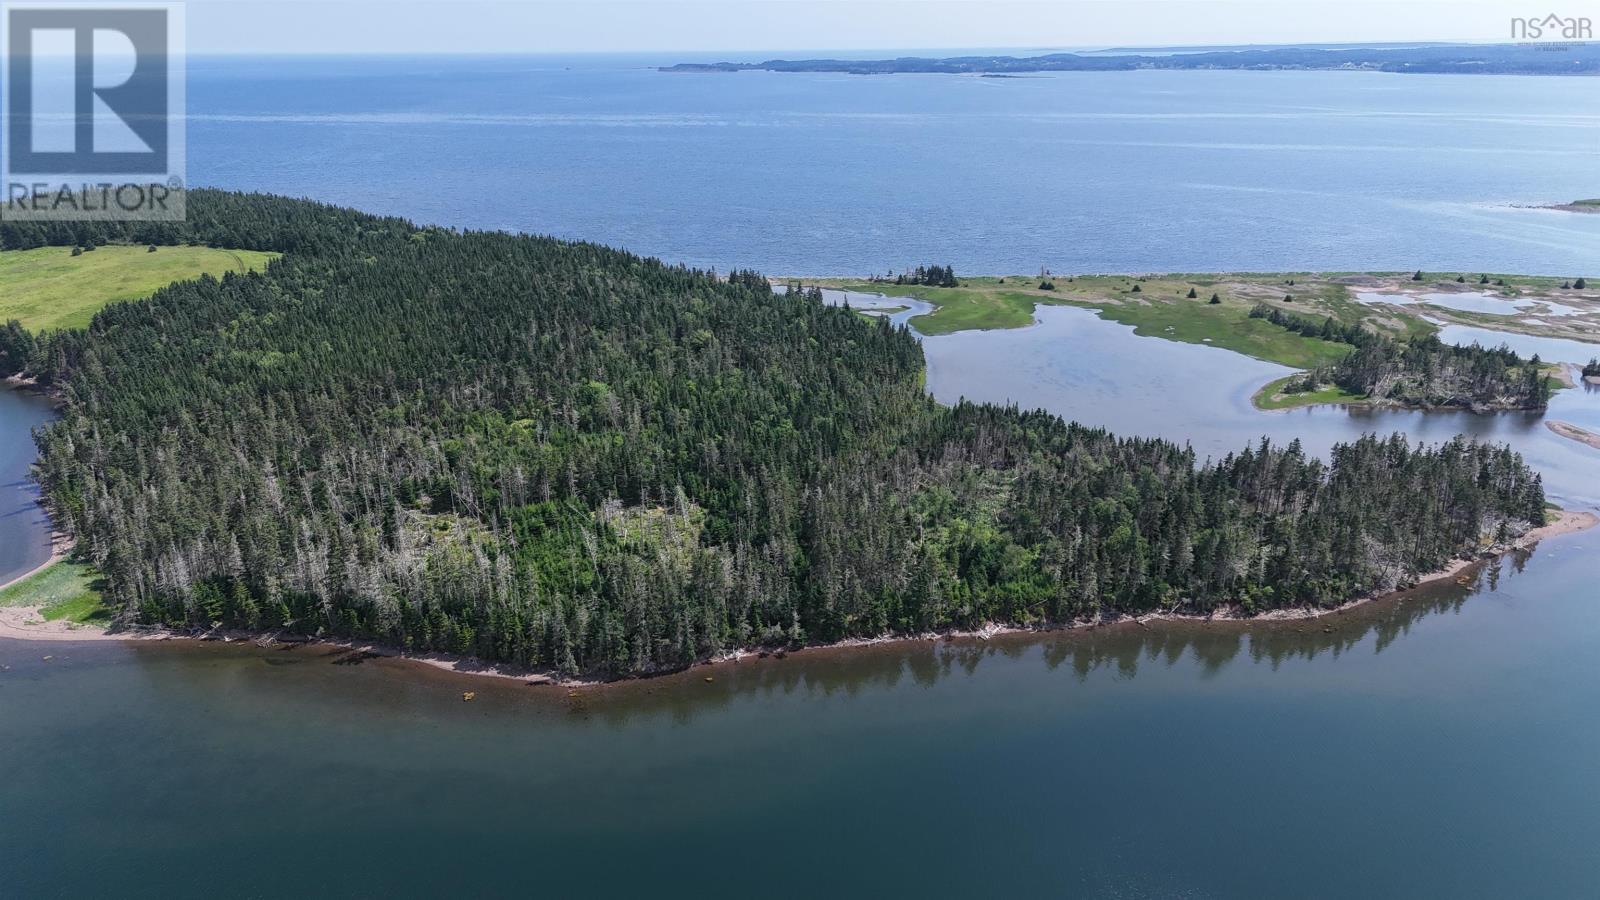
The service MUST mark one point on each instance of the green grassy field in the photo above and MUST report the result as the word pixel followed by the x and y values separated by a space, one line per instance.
pixel 66 590
pixel 1224 325
pixel 50 288
pixel 983 305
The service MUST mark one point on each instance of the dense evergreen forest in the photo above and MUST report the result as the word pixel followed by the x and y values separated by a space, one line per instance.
pixel 556 454
pixel 1420 372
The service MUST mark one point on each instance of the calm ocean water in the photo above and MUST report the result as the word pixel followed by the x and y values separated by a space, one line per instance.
pixel 814 174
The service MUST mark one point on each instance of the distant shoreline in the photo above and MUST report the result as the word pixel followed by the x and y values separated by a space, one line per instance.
pixel 1576 206
pixel 1578 59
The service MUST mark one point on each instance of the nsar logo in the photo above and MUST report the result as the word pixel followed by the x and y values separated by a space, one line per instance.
pixel 1552 27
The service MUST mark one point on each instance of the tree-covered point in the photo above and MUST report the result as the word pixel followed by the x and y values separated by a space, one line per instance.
pixel 557 454
pixel 1421 372
pixel 931 276
pixel 1591 369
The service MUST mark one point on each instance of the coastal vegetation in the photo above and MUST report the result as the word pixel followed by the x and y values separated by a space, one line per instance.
pixel 932 276
pixel 1292 391
pixel 50 287
pixel 62 591
pixel 1419 372
pixel 560 455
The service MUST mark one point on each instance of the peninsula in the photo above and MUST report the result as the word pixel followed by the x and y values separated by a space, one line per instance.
pixel 565 457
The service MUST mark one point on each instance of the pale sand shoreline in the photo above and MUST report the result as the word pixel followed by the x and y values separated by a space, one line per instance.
pixel 11 626
pixel 1573 432
pixel 22 622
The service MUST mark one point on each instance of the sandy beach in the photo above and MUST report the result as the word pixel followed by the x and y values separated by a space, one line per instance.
pixel 1573 432
pixel 24 622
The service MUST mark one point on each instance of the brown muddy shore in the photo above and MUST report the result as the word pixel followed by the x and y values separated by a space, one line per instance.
pixel 19 623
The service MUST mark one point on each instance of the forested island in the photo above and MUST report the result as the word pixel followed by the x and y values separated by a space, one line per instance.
pixel 1455 59
pixel 563 456
pixel 1419 372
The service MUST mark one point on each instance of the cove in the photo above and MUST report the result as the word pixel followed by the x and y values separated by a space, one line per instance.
pixel 24 527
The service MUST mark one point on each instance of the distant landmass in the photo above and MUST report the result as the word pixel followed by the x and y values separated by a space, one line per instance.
pixel 1438 59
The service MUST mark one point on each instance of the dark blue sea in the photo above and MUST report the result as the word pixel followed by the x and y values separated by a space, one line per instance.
pixel 836 174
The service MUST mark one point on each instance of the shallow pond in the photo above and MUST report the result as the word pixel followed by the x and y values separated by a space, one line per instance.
pixel 1473 301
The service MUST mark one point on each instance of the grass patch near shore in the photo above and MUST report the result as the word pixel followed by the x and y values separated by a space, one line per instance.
pixel 64 591
pixel 1271 395
pixel 48 287
pixel 980 305
pixel 1228 326
pixel 882 312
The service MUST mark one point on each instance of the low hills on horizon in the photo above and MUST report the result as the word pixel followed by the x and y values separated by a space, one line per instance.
pixel 1542 58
